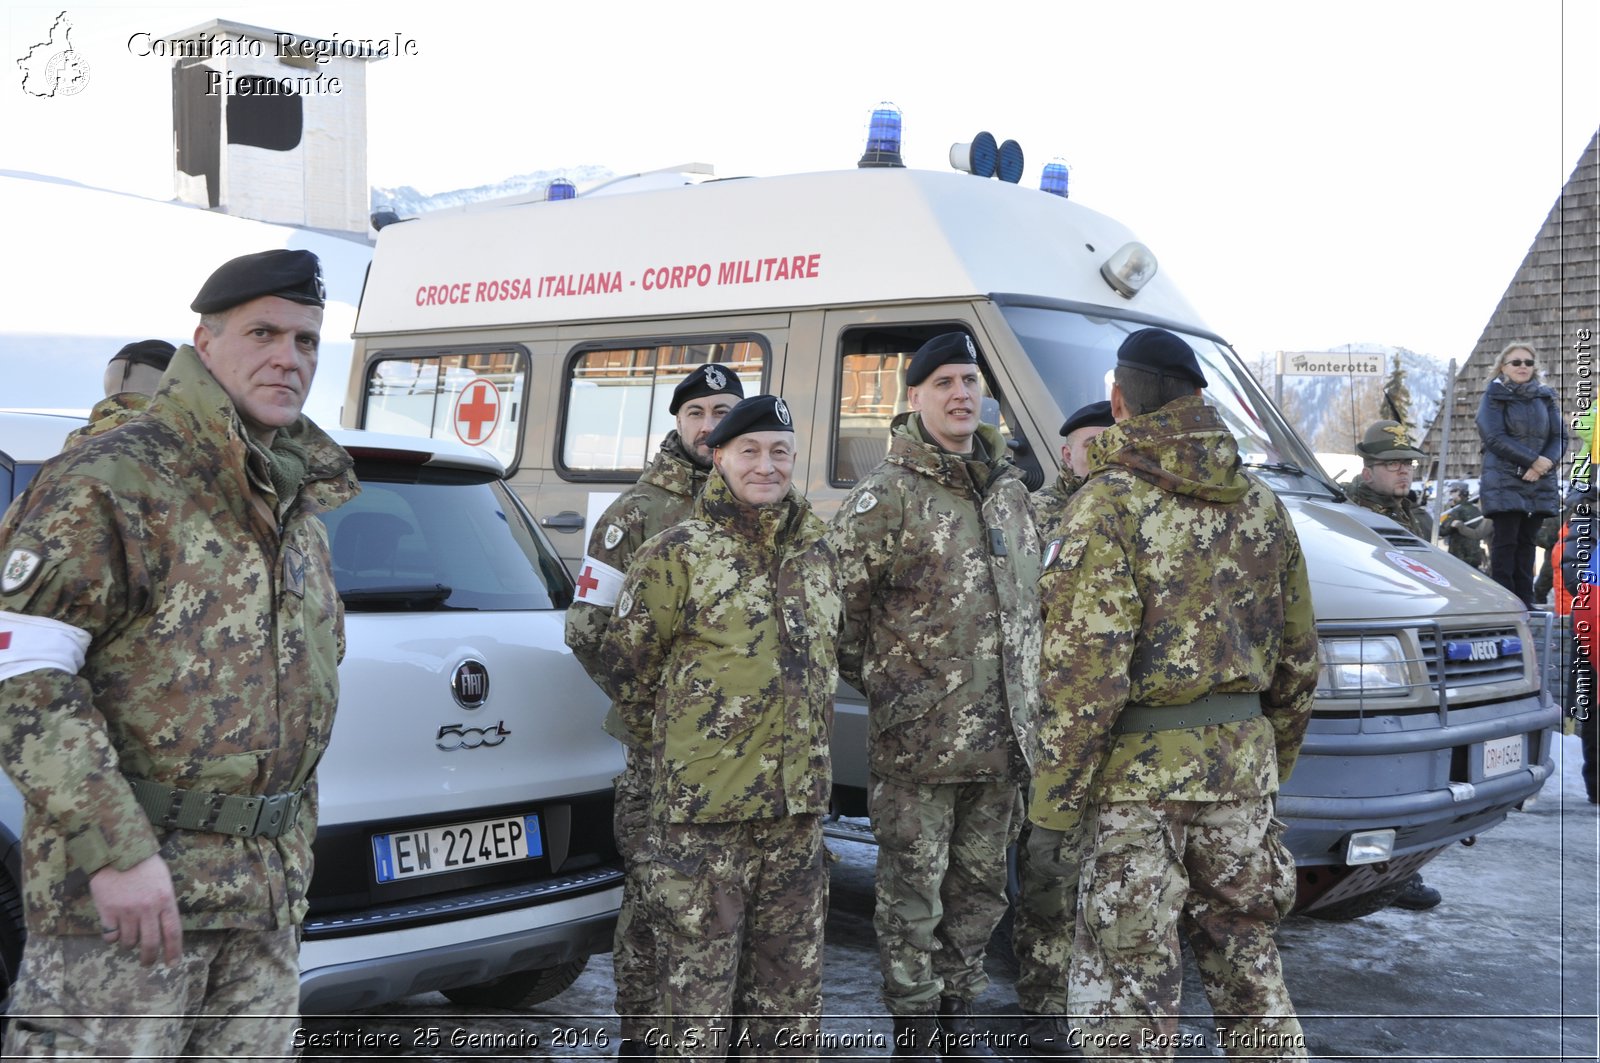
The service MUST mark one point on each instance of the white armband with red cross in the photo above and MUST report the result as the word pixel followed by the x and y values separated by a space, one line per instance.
pixel 598 583
pixel 28 643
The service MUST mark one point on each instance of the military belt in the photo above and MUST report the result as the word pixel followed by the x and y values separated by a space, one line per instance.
pixel 252 816
pixel 1211 709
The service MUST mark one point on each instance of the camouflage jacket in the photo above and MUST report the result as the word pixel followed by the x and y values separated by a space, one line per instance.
pixel 1410 515
pixel 662 497
pixel 210 631
pixel 724 666
pixel 108 413
pixel 1178 575
pixel 939 564
pixel 1050 504
pixel 1463 529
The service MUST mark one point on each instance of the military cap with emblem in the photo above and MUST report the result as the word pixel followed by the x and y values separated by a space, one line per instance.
pixel 1094 415
pixel 154 353
pixel 708 379
pixel 1388 441
pixel 292 275
pixel 758 413
pixel 941 350
pixel 1156 350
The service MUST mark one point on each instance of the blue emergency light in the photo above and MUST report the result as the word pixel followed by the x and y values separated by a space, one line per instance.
pixel 560 188
pixel 883 138
pixel 1054 178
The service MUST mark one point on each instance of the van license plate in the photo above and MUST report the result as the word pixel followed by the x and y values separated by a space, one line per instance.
pixel 1502 755
pixel 455 847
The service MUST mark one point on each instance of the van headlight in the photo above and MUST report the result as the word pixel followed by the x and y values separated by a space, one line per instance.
pixel 1373 666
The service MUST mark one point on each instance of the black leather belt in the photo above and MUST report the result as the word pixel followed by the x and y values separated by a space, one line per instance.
pixel 1211 709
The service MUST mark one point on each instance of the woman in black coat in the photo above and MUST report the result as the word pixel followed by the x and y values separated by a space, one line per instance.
pixel 1523 440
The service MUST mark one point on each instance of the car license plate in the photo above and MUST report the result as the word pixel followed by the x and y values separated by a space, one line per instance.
pixel 1502 755
pixel 455 847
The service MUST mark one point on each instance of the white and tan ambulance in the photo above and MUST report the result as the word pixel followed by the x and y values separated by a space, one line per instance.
pixel 552 334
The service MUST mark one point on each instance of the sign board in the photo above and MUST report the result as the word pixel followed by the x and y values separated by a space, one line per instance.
pixel 1330 363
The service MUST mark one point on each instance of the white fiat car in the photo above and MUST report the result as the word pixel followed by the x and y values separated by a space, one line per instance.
pixel 464 842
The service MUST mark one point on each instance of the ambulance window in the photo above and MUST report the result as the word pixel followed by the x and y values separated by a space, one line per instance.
pixel 617 398
pixel 475 397
pixel 871 389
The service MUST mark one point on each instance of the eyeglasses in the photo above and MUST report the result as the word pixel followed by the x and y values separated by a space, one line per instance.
pixel 1519 361
pixel 1396 466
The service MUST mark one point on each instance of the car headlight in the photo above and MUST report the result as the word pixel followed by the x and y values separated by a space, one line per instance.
pixel 1373 666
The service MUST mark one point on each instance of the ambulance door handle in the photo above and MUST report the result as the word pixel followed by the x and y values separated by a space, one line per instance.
pixel 566 520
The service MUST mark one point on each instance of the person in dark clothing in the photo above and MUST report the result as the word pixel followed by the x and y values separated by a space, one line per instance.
pixel 1523 438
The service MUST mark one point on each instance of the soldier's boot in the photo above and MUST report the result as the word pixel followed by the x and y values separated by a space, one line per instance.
pixel 628 1048
pixel 916 1038
pixel 962 1038
pixel 1048 1037
pixel 1417 895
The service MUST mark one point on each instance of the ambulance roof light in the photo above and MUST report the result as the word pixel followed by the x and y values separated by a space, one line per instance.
pixel 1129 269
pixel 560 188
pixel 1054 177
pixel 1010 165
pixel 883 137
pixel 977 158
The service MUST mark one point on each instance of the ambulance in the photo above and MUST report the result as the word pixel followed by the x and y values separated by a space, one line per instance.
pixel 552 332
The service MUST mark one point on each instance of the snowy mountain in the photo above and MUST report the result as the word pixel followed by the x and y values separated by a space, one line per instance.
pixel 1330 413
pixel 407 202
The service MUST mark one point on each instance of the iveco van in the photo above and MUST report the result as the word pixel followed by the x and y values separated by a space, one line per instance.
pixel 552 334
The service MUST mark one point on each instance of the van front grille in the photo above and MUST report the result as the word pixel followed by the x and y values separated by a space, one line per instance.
pixel 1452 654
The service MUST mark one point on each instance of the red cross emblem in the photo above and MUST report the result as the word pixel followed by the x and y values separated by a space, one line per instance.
pixel 5 640
pixel 586 583
pixel 477 412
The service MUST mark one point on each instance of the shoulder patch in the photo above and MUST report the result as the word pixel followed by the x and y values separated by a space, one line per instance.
pixel 625 603
pixel 613 536
pixel 21 567
pixel 866 501
pixel 1052 551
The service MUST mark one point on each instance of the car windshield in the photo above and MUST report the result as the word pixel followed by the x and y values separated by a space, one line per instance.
pixel 1075 353
pixel 419 538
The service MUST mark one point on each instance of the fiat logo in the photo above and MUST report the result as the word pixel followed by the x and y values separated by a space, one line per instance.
pixel 470 684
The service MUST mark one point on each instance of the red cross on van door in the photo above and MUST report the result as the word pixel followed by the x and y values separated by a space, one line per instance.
pixel 477 412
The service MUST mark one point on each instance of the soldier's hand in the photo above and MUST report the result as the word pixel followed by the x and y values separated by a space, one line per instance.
pixel 138 909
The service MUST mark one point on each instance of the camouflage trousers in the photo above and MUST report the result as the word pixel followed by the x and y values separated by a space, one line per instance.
pixel 1046 917
pixel 940 886
pixel 233 994
pixel 1220 871
pixel 738 910
pixel 633 947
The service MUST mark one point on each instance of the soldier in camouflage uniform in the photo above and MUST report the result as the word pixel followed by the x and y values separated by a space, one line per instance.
pixel 170 635
pixel 1041 936
pixel 940 562
pixel 131 377
pixel 1388 461
pixel 1463 527
pixel 723 643
pixel 662 497
pixel 1176 692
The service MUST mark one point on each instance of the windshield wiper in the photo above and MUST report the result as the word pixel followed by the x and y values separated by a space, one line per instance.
pixel 1291 469
pixel 400 595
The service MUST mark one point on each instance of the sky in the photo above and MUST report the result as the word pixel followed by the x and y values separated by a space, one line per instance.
pixel 1310 174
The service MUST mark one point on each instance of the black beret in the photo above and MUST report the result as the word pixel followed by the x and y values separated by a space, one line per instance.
pixel 758 413
pixel 154 353
pixel 1159 351
pixel 941 350
pixel 708 379
pixel 292 275
pixel 1094 415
